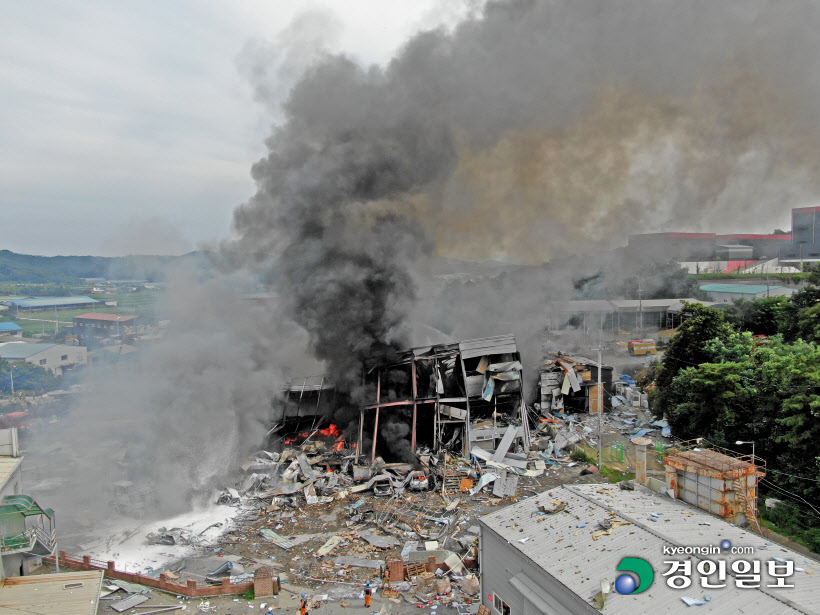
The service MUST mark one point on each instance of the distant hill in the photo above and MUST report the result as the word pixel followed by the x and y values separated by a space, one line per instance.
pixel 64 269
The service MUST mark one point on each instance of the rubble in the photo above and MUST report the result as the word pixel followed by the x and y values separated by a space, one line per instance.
pixel 328 508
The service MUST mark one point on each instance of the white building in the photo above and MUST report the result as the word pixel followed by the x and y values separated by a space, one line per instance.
pixel 54 357
pixel 551 554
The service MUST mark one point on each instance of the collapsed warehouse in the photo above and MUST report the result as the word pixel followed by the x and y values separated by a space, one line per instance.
pixel 445 397
pixel 571 383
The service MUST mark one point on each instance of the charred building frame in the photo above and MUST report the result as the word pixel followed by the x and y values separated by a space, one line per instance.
pixel 448 396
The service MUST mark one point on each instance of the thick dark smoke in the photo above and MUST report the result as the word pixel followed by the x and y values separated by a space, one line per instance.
pixel 535 131
pixel 343 270
pixel 539 129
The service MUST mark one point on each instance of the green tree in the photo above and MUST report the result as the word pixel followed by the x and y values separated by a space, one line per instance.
pixel 706 400
pixel 765 316
pixel 688 348
pixel 27 377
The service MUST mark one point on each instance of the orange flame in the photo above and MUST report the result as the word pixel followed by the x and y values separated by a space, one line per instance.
pixel 331 431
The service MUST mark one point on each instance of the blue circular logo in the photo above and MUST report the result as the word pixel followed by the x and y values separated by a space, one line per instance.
pixel 625 584
pixel 725 544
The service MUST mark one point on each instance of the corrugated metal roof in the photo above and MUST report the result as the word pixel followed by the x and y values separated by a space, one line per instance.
pixel 7 467
pixel 570 555
pixel 111 317
pixel 10 326
pixel 647 305
pixel 499 344
pixel 21 350
pixel 47 594
pixel 53 301
pixel 582 305
pixel 678 305
pixel 753 236
pixel 739 289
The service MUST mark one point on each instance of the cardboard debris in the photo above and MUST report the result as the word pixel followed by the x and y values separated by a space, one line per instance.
pixel 332 543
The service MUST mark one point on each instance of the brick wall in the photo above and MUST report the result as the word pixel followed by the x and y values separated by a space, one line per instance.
pixel 189 588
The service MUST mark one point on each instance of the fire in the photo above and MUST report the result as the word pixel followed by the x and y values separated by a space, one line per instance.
pixel 331 431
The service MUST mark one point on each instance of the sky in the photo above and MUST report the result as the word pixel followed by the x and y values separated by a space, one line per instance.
pixel 131 127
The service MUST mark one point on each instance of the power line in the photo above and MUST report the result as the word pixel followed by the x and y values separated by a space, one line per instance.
pixel 814 480
pixel 786 491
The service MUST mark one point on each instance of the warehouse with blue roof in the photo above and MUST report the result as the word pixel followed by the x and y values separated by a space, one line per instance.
pixel 10 329
pixel 34 304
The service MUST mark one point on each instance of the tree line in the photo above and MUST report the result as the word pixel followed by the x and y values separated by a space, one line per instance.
pixel 720 382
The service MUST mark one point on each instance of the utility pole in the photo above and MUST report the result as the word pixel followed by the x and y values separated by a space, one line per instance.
pixel 600 386
pixel 640 309
pixel 11 375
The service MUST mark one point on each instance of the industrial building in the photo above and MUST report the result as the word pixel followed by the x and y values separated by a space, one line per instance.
pixel 618 314
pixel 728 293
pixel 27 531
pixel 571 383
pixel 447 396
pixel 553 553
pixel 805 244
pixel 708 246
pixel 93 327
pixel 10 330
pixel 66 593
pixel 38 304
pixel 57 358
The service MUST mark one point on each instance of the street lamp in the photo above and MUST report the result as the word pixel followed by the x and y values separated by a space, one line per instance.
pixel 753 447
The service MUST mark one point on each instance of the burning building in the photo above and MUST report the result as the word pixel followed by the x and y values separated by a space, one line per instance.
pixel 572 383
pixel 305 405
pixel 448 396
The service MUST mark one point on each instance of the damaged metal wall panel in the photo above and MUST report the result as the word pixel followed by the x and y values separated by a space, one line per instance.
pixel 494 384
pixel 506 441
pixel 505 485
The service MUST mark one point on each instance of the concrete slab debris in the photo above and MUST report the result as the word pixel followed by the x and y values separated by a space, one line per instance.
pixel 360 562
pixel 129 602
pixel 382 542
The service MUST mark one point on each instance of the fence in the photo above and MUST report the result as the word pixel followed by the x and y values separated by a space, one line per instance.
pixel 189 588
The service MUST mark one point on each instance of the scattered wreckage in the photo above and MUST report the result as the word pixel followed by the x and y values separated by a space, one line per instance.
pixel 445 434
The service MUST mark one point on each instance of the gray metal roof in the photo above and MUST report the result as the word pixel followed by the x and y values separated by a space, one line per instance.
pixel 582 305
pixel 499 344
pixel 678 305
pixel 647 305
pixel 570 555
pixel 66 593
pixel 21 350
